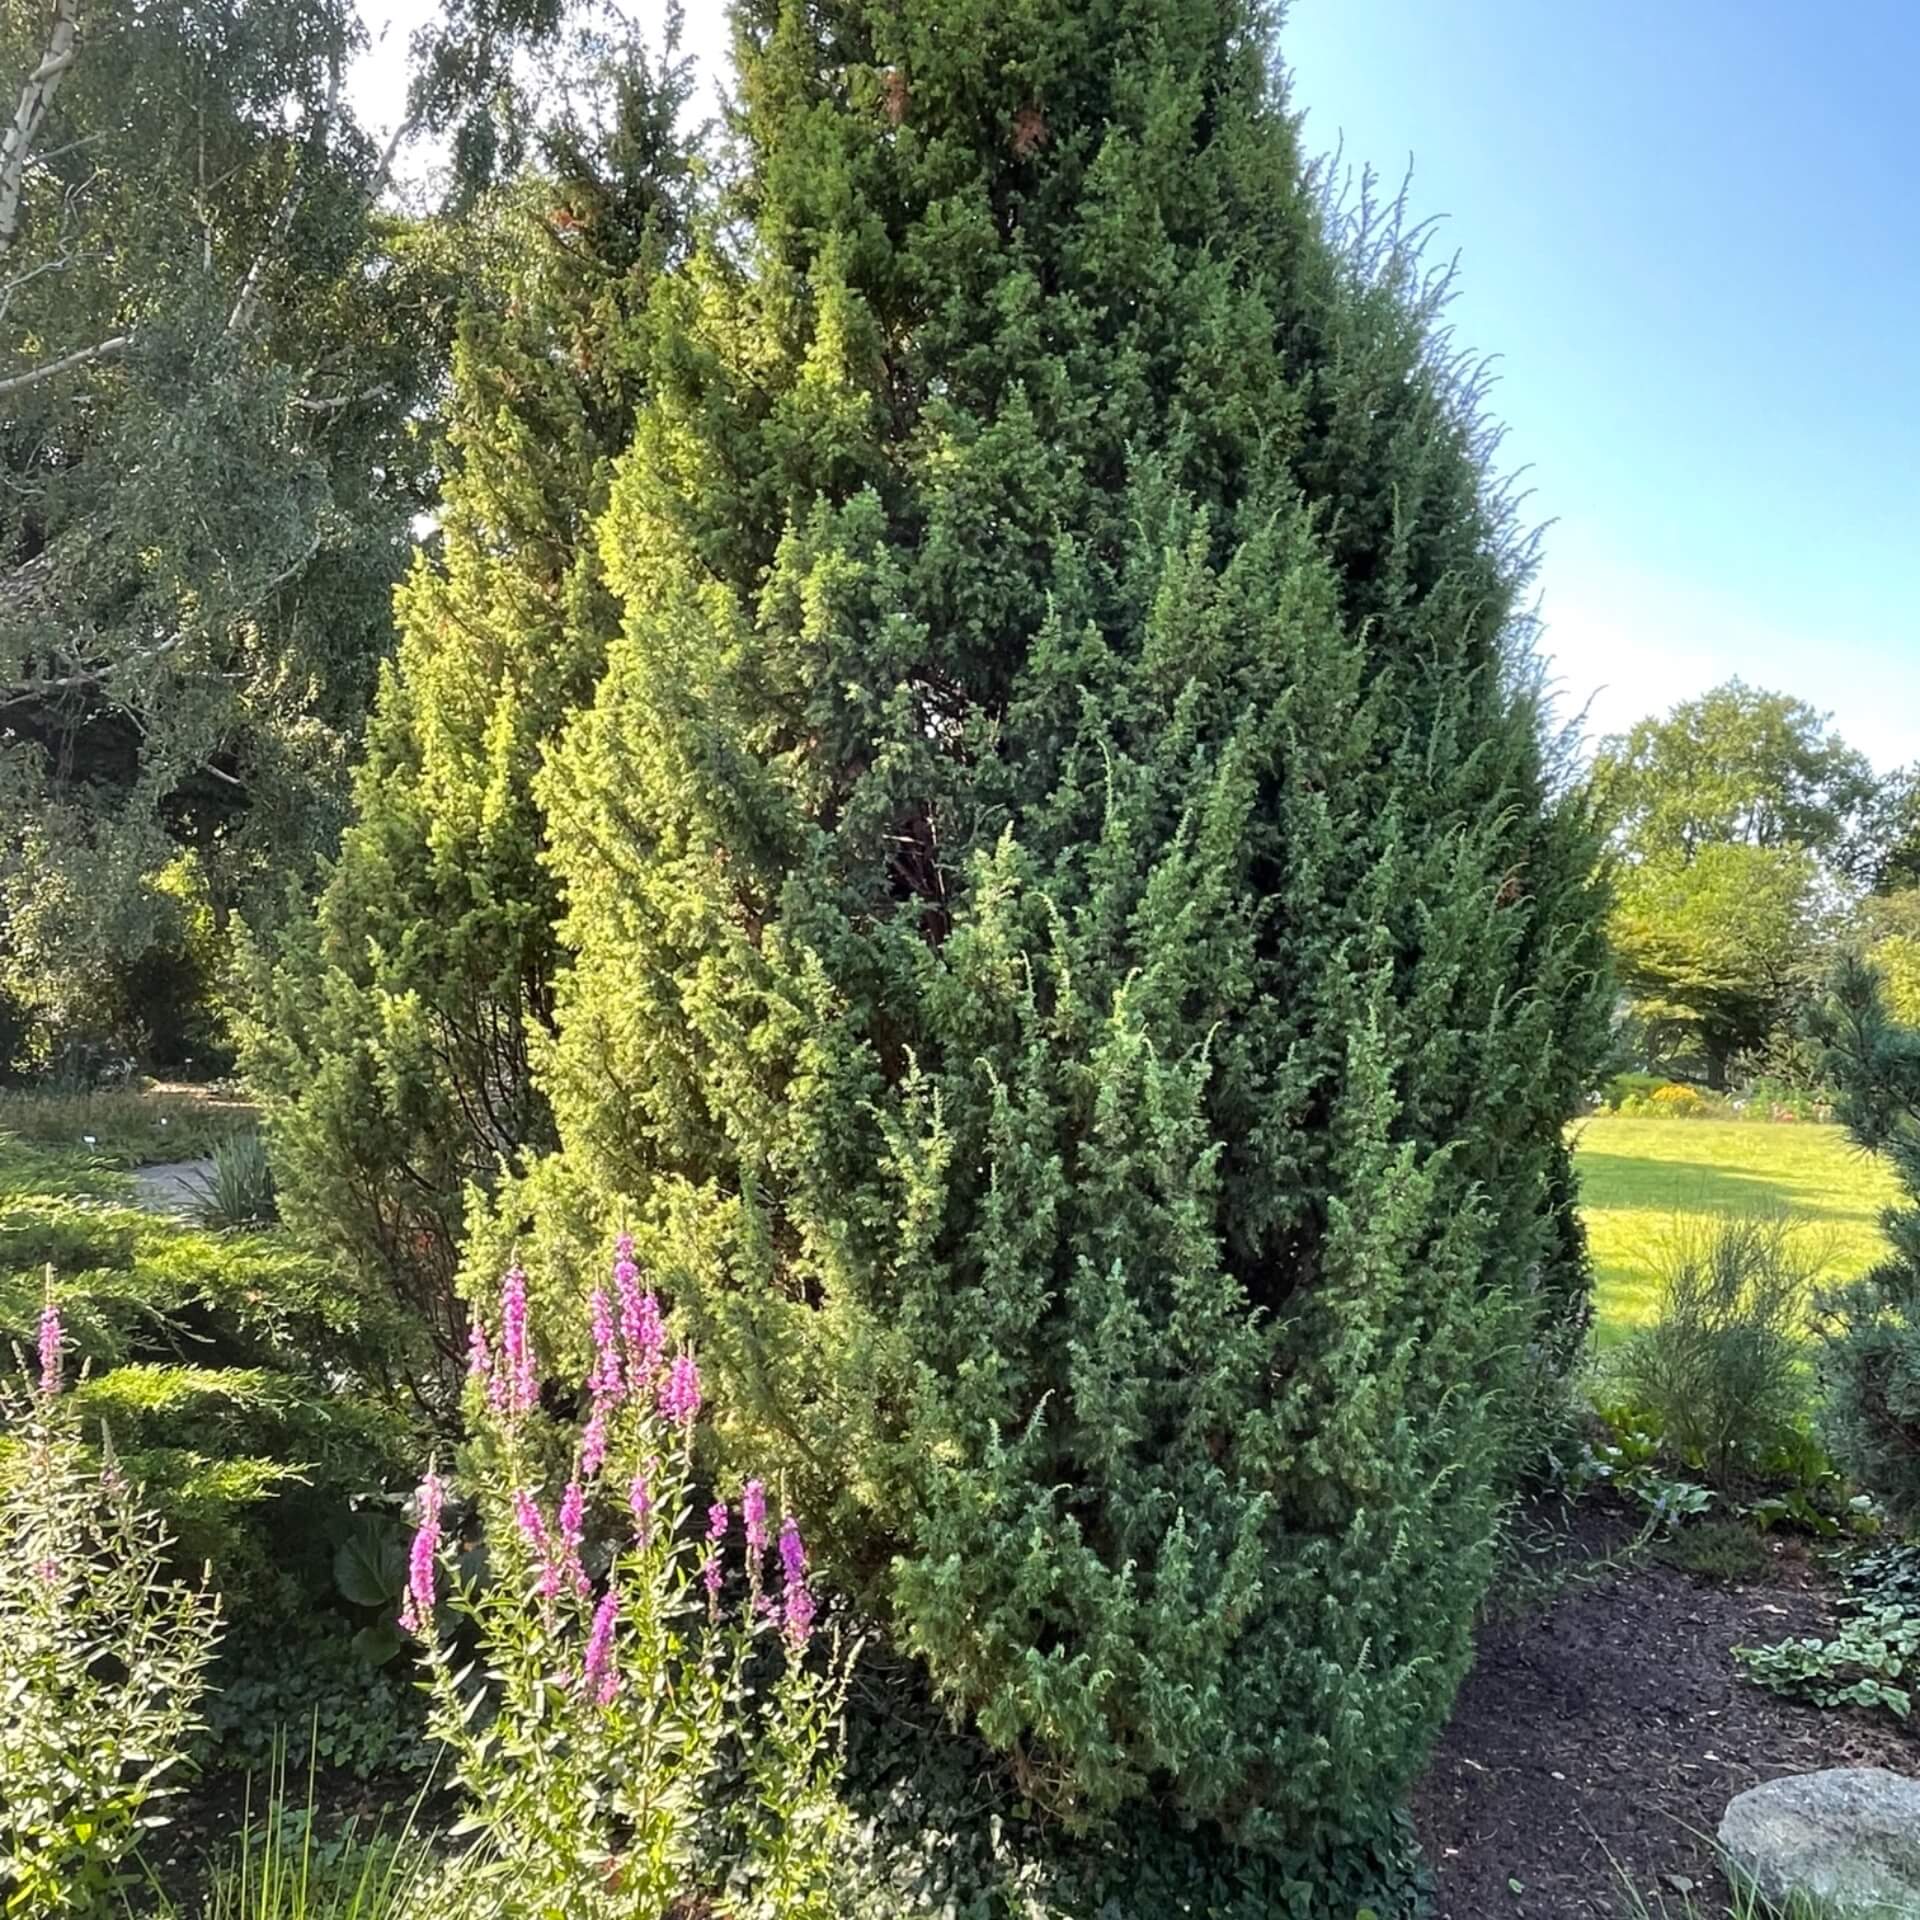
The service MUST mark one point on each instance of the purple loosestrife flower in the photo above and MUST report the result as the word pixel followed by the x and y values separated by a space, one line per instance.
pixel 680 1393
pixel 640 1503
pixel 798 1609
pixel 50 1343
pixel 753 1513
pixel 641 1331
pixel 573 1531
pixel 533 1529
pixel 593 1443
pixel 799 1616
pixel 604 1380
pixel 522 1389
pixel 600 1677
pixel 479 1354
pixel 710 1566
pixel 416 1611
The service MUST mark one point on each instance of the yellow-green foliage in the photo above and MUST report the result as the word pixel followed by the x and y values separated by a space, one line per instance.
pixel 1638 1175
pixel 1898 960
pixel 207 1357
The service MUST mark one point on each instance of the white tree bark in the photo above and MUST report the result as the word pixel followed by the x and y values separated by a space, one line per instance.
pixel 36 97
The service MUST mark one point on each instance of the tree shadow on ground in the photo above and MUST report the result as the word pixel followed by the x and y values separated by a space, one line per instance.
pixel 1688 1186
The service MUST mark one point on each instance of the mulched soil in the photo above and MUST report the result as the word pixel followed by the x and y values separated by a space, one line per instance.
pixel 1606 1729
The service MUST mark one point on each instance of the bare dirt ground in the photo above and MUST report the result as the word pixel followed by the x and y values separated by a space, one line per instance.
pixel 1605 1731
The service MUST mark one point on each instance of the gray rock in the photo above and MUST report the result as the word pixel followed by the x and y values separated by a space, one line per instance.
pixel 1848 1839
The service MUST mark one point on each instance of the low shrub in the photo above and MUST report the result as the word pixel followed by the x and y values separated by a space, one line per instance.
pixel 633 1722
pixel 1720 1369
pixel 1677 1099
pixel 243 1389
pixel 1728 1550
pixel 1623 1087
pixel 103 1655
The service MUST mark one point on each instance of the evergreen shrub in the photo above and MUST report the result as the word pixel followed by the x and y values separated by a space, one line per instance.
pixel 1871 1324
pixel 1079 960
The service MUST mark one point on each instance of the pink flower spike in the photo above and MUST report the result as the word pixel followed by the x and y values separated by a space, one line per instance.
pixel 798 1616
pixel 522 1392
pixel 793 1551
pixel 640 1504
pixel 479 1353
pixel 600 1677
pixel 717 1520
pixel 422 1557
pixel 604 1380
pixel 50 1344
pixel 797 1610
pixel 573 1530
pixel 593 1444
pixel 680 1393
pixel 753 1513
pixel 533 1529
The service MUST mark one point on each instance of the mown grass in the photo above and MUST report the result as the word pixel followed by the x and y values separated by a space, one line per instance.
pixel 1638 1176
pixel 123 1127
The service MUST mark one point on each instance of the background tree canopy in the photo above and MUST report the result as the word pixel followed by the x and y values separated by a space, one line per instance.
pixel 1747 834
pixel 220 360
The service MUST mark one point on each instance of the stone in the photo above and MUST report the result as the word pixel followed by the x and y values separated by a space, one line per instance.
pixel 1848 1838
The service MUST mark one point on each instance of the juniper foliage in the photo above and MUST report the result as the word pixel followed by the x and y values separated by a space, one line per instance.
pixel 1078 962
pixel 1871 1370
pixel 392 1028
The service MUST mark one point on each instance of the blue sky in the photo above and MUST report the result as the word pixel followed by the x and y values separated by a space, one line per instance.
pixel 1691 232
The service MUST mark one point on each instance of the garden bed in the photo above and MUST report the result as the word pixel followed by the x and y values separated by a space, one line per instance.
pixel 1604 1732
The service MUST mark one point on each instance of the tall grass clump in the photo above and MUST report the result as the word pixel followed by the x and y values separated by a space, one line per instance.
pixel 1722 1368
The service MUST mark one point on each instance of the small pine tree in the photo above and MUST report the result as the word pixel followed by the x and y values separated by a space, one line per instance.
pixel 1871 1408
pixel 1078 970
pixel 394 1026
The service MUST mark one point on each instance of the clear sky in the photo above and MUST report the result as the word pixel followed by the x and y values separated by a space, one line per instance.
pixel 1691 231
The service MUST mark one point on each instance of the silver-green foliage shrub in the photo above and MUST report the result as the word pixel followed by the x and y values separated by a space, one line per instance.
pixel 102 1657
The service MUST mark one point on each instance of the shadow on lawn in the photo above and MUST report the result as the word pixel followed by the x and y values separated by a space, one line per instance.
pixel 1633 1182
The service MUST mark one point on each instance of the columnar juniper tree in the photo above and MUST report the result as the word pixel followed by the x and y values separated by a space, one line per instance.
pixel 395 1051
pixel 1078 968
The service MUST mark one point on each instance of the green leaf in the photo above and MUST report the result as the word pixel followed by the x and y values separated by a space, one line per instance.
pixel 377 1645
pixel 370 1565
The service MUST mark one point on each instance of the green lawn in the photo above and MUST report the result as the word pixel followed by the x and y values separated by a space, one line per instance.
pixel 1636 1176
